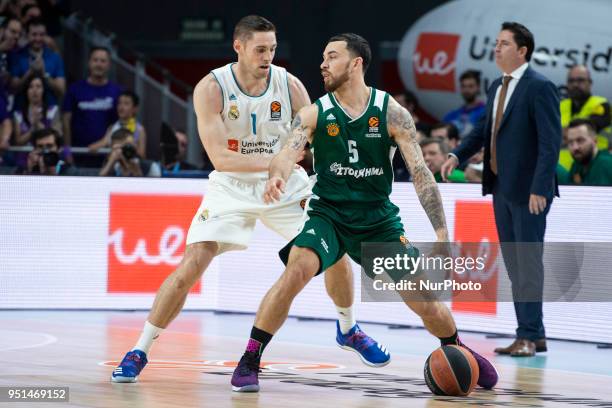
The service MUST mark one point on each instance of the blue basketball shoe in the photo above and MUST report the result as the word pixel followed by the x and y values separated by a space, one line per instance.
pixel 129 368
pixel 370 351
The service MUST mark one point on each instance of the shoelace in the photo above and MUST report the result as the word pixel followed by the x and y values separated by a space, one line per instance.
pixel 134 357
pixel 361 340
pixel 249 363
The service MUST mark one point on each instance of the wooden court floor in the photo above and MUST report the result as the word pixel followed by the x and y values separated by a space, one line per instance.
pixel 191 364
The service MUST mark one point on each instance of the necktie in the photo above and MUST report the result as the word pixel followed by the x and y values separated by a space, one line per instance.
pixel 499 113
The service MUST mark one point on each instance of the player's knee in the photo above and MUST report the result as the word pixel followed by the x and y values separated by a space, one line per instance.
pixel 301 269
pixel 297 275
pixel 196 259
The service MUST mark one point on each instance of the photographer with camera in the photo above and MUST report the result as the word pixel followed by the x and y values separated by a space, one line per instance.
pixel 127 109
pixel 123 160
pixel 45 158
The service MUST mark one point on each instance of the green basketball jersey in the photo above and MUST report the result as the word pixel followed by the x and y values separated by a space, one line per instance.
pixel 352 157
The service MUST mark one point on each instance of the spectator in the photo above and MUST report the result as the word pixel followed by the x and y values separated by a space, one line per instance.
pixel 466 117
pixel 16 6
pixel 45 158
pixel 127 109
pixel 435 152
pixel 123 160
pixel 409 101
pixel 35 113
pixel 10 31
pixel 179 153
pixel 31 12
pixel 6 128
pixel 581 104
pixel 592 167
pixel 90 104
pixel 447 132
pixel 37 58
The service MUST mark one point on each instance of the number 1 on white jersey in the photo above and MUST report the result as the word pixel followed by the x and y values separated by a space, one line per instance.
pixel 254 123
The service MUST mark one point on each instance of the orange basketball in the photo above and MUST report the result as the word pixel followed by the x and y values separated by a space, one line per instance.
pixel 451 370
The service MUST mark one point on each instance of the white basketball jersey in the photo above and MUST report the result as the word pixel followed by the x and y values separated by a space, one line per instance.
pixel 258 125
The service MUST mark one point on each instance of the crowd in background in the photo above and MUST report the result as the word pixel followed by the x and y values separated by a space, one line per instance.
pixel 585 157
pixel 43 118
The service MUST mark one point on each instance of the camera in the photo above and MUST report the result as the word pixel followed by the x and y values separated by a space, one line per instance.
pixel 128 150
pixel 50 158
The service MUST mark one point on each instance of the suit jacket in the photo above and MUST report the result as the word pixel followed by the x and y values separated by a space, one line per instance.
pixel 528 140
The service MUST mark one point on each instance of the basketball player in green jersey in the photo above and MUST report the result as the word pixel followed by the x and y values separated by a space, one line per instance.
pixel 353 130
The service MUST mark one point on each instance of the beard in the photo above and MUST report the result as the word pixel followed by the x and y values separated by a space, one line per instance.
pixel 469 98
pixel 584 158
pixel 335 83
pixel 577 94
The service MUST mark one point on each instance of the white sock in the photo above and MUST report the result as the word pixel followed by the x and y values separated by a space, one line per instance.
pixel 149 333
pixel 346 318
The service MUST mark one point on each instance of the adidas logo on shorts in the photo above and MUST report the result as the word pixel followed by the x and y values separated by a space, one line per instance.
pixel 311 232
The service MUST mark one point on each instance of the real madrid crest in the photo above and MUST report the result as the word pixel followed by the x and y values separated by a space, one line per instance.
pixel 233 113
pixel 203 215
pixel 333 129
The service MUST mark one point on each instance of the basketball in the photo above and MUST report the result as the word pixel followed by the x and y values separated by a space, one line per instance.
pixel 451 370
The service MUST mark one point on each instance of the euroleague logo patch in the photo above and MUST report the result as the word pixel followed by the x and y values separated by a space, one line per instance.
pixel 303 203
pixel 333 129
pixel 373 124
pixel 275 110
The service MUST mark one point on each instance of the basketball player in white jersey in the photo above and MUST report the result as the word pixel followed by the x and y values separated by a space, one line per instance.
pixel 244 110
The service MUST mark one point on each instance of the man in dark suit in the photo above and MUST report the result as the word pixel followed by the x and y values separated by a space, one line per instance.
pixel 521 134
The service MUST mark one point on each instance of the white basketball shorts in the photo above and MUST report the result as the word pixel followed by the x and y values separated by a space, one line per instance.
pixel 232 205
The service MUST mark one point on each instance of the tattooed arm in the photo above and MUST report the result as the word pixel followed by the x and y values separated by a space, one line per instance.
pixel 299 99
pixel 302 129
pixel 402 130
